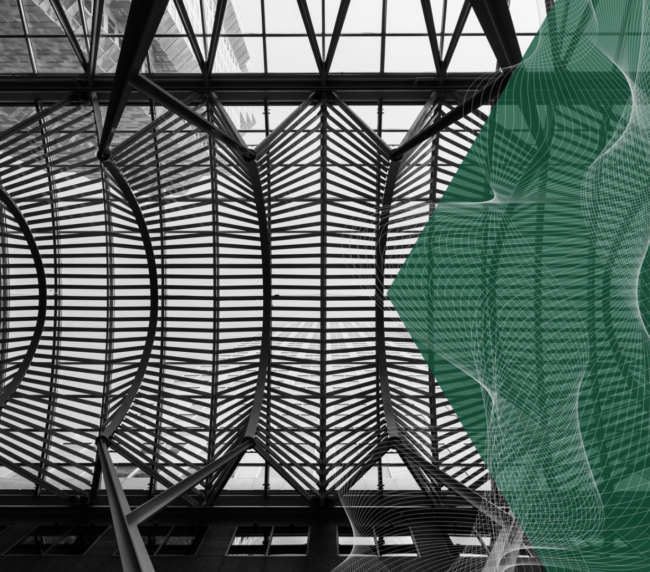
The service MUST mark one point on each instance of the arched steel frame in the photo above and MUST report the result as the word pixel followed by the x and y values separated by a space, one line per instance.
pixel 142 23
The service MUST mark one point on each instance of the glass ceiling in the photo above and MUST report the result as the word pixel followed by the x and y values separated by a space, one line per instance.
pixel 264 37
pixel 257 36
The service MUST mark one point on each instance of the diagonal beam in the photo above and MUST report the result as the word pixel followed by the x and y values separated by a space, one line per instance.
pixel 216 34
pixel 133 553
pixel 141 25
pixel 160 501
pixel 496 21
pixel 159 95
pixel 338 28
pixel 95 35
pixel 458 30
pixel 483 97
pixel 67 28
pixel 433 37
pixel 311 34
pixel 189 30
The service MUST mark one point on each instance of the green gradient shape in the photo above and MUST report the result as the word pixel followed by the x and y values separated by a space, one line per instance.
pixel 528 292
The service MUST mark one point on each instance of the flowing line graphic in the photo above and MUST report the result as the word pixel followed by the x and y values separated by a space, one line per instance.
pixel 530 280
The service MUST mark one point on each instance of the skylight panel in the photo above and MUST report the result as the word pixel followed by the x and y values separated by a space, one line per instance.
pixel 473 54
pixel 357 54
pixel 408 54
pixel 527 15
pixel 283 17
pixel 364 16
pixel 405 17
pixel 290 55
pixel 14 56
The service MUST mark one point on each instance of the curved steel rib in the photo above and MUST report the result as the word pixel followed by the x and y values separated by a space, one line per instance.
pixel 127 401
pixel 12 385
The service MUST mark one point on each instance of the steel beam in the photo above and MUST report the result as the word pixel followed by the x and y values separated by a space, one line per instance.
pixel 147 348
pixel 496 21
pixel 160 501
pixel 472 103
pixel 216 34
pixel 189 30
pixel 458 30
pixel 159 95
pixel 254 88
pixel 95 35
pixel 10 386
pixel 309 27
pixel 141 25
pixel 67 28
pixel 338 28
pixel 133 552
pixel 433 37
pixel 382 236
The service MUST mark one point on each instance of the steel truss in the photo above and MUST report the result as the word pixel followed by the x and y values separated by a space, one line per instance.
pixel 322 177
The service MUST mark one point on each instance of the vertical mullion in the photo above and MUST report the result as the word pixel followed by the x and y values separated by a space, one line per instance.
pixel 266 67
pixel 216 311
pixel 155 458
pixel 323 303
pixel 434 420
pixel 28 39
pixel 383 35
pixel 268 381
pixel 56 318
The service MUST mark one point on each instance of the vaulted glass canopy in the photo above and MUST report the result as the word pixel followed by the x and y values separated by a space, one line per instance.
pixel 220 192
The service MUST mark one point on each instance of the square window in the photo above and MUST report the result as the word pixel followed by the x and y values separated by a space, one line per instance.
pixel 347 541
pixel 289 541
pixel 250 541
pixel 78 540
pixel 183 541
pixel 59 540
pixel 40 540
pixel 154 537
pixel 270 541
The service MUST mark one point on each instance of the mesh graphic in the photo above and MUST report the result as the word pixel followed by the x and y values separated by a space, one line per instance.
pixel 530 281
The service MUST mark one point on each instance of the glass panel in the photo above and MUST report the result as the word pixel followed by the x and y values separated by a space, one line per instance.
pixel 400 116
pixel 357 54
pixel 289 541
pixel 402 545
pixel 55 55
pixel 367 113
pixel 250 541
pixel 239 55
pixel 290 55
pixel 184 540
pixel 10 116
pixel 364 16
pixel 10 23
pixel 171 21
pixel 109 52
pixel 347 541
pixel 283 17
pixel 408 54
pixel 406 17
pixel 527 15
pixel 40 540
pixel 154 536
pixel 41 18
pixel 78 540
pixel 14 57
pixel 473 54
pixel 170 55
